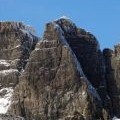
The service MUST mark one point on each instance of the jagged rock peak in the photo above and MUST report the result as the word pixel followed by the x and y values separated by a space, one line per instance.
pixel 61 38
pixel 9 26
pixel 63 78
pixel 71 30
pixel 67 24
pixel 53 85
pixel 16 44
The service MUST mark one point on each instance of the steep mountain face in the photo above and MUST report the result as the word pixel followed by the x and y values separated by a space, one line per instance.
pixel 16 44
pixel 112 60
pixel 87 50
pixel 64 76
pixel 53 86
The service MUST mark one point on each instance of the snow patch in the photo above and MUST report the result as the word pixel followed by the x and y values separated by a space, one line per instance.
pixel 17 46
pixel 83 93
pixel 4 62
pixel 36 49
pixel 5 100
pixel 115 118
pixel 6 72
pixel 64 17
pixel 78 66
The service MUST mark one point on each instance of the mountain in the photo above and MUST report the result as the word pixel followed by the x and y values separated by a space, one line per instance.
pixel 62 76
pixel 112 61
pixel 16 44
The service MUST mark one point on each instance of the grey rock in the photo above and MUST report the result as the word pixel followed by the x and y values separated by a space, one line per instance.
pixel 112 60
pixel 53 85
pixel 16 44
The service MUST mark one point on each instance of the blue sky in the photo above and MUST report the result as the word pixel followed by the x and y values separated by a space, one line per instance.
pixel 100 17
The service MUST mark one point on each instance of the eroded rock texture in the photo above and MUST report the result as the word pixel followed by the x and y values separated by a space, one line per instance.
pixel 65 76
pixel 53 85
pixel 10 117
pixel 87 50
pixel 112 60
pixel 16 44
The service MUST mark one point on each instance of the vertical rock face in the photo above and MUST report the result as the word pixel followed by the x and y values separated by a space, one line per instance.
pixel 16 44
pixel 112 60
pixel 53 85
pixel 65 76
pixel 87 50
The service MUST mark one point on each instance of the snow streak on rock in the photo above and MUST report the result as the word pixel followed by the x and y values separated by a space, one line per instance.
pixel 5 99
pixel 115 118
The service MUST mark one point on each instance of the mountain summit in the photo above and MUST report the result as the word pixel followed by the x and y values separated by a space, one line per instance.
pixel 63 76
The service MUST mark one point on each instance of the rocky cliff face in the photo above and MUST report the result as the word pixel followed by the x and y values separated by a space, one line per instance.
pixel 112 60
pixel 53 86
pixel 87 50
pixel 16 44
pixel 65 76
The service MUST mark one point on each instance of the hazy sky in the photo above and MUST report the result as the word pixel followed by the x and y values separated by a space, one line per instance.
pixel 100 17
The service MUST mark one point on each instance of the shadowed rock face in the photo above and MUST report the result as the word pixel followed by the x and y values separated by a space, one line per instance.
pixel 53 85
pixel 112 60
pixel 87 50
pixel 16 44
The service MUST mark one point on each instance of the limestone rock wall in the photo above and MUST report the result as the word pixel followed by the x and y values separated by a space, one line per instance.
pixel 53 85
pixel 64 76
pixel 112 59
pixel 16 44
pixel 87 50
